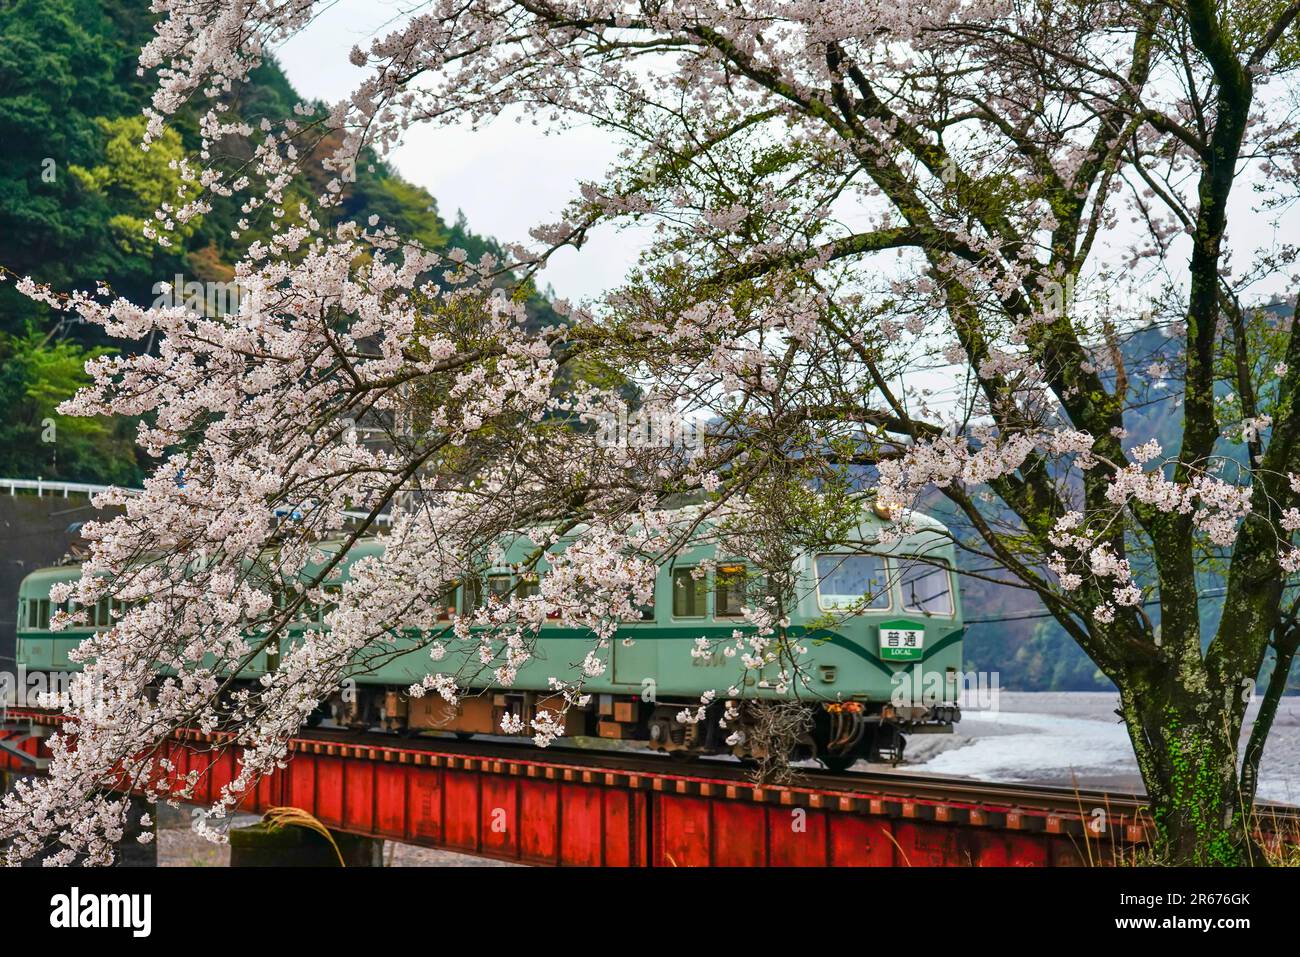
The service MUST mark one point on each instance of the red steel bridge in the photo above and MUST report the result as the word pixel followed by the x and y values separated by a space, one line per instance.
pixel 583 807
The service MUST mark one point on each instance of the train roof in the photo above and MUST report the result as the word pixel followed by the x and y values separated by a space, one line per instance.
pixel 924 532
pixel 51 575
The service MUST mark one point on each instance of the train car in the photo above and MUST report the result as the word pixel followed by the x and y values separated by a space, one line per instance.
pixel 881 625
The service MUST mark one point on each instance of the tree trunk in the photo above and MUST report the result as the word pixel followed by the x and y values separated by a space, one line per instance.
pixel 1186 745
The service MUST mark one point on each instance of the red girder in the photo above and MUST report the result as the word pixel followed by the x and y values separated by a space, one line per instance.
pixel 538 811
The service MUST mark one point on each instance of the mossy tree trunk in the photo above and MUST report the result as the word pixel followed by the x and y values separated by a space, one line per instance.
pixel 1186 745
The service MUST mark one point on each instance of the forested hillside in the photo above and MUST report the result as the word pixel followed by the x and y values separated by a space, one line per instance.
pixel 1009 630
pixel 75 193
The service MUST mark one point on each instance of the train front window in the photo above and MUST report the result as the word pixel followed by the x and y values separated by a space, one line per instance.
pixel 925 587
pixel 852 581
pixel 500 587
pixel 331 594
pixel 643 612
pixel 306 611
pixel 37 613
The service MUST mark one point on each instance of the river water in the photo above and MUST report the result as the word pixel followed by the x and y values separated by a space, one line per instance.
pixel 1075 738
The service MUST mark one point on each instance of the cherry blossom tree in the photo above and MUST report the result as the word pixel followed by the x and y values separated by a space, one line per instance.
pixel 896 245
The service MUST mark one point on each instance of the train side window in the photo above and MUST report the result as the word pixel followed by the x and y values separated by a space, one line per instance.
pixel 43 614
pixel 445 603
pixel 500 587
pixel 305 610
pixel 101 614
pixel 33 619
pixel 471 594
pixel 530 584
pixel 332 593
pixel 644 612
pixel 729 591
pixel 689 593
pixel 925 586
pixel 852 581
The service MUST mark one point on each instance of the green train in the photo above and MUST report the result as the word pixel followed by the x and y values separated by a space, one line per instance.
pixel 881 625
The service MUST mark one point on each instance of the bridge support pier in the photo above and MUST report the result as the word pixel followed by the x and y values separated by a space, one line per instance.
pixel 130 851
pixel 261 845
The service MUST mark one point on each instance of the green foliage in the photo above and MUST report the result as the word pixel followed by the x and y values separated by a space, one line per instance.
pixel 1249 23
pixel 135 183
pixel 76 191
pixel 398 203
pixel 56 75
pixel 35 441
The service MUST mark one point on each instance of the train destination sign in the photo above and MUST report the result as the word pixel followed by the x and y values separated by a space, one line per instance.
pixel 901 641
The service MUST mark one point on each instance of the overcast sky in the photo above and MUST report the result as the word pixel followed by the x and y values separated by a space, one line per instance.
pixel 507 177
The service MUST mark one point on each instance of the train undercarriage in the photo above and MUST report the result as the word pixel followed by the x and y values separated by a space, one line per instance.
pixel 836 733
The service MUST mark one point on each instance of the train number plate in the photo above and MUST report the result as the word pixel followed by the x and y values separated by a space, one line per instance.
pixel 901 641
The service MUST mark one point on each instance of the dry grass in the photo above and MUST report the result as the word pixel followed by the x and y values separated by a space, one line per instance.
pixel 278 817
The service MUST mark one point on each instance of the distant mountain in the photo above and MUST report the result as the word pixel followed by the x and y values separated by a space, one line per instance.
pixel 1009 630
